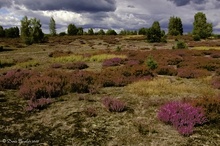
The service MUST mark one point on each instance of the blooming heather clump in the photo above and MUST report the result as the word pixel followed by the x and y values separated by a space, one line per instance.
pixel 14 78
pixel 112 62
pixel 113 105
pixel 38 104
pixel 182 116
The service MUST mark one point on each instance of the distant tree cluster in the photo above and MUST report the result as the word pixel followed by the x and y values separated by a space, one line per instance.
pixel 73 30
pixel 31 31
pixel 12 32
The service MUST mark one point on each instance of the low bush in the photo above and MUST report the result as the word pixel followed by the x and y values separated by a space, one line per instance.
pixel 14 78
pixel 113 105
pixel 132 62
pixel 196 38
pixel 38 104
pixel 59 53
pixel 76 65
pixel 180 45
pixel 166 70
pixel 174 60
pixel 216 82
pixel 183 116
pixel 121 76
pixel 56 65
pixel 210 105
pixel 48 85
pixel 188 73
pixel 82 81
pixel 112 62
pixel 151 63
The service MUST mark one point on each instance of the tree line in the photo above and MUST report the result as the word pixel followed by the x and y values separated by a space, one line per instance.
pixel 31 31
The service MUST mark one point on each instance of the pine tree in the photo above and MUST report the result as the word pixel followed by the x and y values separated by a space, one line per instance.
pixel 154 33
pixel 175 26
pixel 72 29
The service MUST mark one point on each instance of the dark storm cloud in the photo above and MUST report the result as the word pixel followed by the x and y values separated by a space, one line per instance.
pixel 70 5
pixel 185 2
pixel 5 3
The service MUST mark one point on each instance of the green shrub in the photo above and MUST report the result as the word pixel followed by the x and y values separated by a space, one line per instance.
pixel 196 38
pixel 151 63
pixel 181 45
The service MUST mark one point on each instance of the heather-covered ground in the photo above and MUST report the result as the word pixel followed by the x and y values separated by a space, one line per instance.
pixel 110 90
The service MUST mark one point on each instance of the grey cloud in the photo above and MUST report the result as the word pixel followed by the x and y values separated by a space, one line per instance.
pixel 185 2
pixel 5 3
pixel 70 5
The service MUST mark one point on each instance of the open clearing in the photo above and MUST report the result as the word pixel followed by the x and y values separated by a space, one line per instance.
pixel 81 118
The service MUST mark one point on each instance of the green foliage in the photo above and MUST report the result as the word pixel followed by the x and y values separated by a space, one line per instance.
pixel 180 45
pixel 142 31
pixel 201 27
pixel 80 31
pixel 151 63
pixel 101 32
pixel 62 33
pixel 128 32
pixel 111 32
pixel 72 29
pixel 52 27
pixel 154 33
pixel 175 26
pixel 31 31
pixel 90 31
pixel 196 38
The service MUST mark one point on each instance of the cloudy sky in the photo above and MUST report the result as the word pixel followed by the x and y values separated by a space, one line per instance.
pixel 105 14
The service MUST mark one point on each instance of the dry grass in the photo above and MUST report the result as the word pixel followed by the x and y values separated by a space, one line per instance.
pixel 205 48
pixel 95 58
pixel 173 87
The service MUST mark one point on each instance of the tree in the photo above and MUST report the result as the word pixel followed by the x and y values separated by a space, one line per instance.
pixel 154 33
pixel 101 32
pixel 2 32
pixel 12 32
pixel 200 26
pixel 52 27
pixel 111 32
pixel 72 29
pixel 142 31
pixel 26 30
pixel 90 31
pixel 175 26
pixel 31 31
pixel 37 33
pixel 80 31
